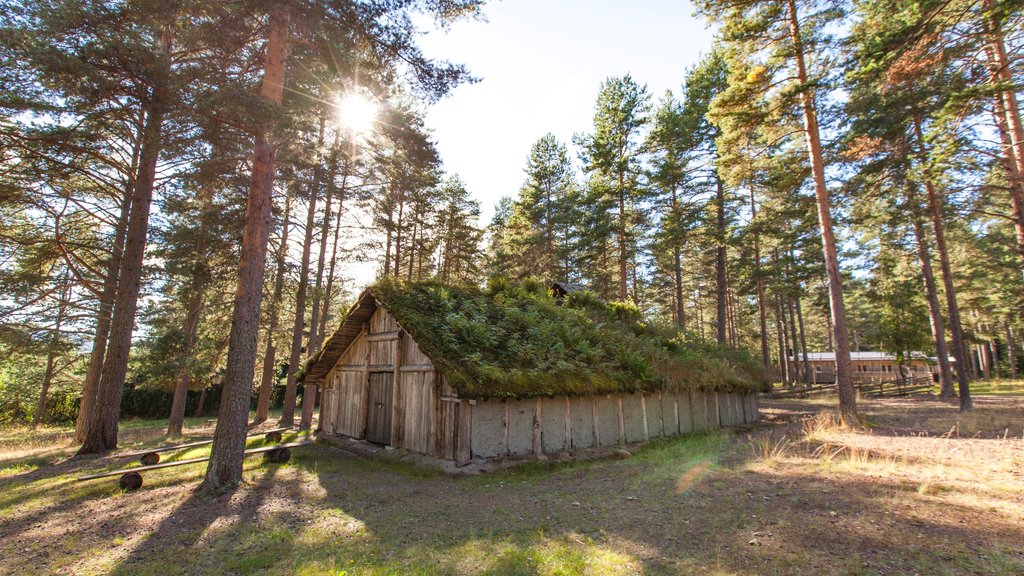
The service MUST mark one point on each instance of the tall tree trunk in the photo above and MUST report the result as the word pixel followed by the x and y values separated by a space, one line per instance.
pixel 314 324
pixel 102 433
pixel 844 379
pixel 720 281
pixel 51 352
pixel 1016 183
pixel 195 308
pixel 200 279
pixel 1011 349
pixel 780 336
pixel 952 309
pixel 270 354
pixel 623 253
pixel 288 411
pixel 808 375
pixel 800 375
pixel 329 290
pixel 106 307
pixel 999 66
pixel 225 466
pixel 762 314
pixel 938 325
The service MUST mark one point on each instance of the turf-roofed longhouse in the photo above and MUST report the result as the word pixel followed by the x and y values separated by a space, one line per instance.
pixel 464 372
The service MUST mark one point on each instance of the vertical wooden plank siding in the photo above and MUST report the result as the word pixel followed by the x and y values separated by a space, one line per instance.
pixel 593 414
pixel 398 406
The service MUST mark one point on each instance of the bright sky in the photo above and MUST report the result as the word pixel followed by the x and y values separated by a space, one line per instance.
pixel 540 64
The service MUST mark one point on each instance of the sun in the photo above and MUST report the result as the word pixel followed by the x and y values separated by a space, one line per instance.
pixel 356 113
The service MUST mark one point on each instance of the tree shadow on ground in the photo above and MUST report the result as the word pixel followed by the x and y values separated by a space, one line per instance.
pixel 650 513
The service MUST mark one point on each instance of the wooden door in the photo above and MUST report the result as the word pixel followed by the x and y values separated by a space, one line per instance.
pixel 378 417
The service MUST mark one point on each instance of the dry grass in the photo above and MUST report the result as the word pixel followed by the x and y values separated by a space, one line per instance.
pixel 911 494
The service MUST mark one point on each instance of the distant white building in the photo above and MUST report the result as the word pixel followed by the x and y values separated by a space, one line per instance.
pixel 866 366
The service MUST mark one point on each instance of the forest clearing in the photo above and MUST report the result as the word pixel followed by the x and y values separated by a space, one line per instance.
pixel 793 495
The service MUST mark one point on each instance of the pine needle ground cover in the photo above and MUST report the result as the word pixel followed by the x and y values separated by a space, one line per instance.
pixel 516 340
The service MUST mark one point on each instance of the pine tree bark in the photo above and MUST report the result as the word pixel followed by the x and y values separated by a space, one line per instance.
pixel 780 336
pixel 295 359
pixel 325 228
pixel 800 377
pixel 808 375
pixel 844 380
pixel 200 279
pixel 106 308
pixel 999 66
pixel 101 435
pixel 762 314
pixel 1011 349
pixel 225 466
pixel 270 353
pixel 329 289
pixel 952 309
pixel 51 354
pixel 938 325
pixel 720 280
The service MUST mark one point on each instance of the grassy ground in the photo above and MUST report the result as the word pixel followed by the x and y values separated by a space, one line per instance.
pixel 921 490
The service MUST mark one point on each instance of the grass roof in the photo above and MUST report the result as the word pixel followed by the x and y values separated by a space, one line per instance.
pixel 515 340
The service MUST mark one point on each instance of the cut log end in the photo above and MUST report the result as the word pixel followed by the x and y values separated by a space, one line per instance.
pixel 150 458
pixel 273 437
pixel 130 482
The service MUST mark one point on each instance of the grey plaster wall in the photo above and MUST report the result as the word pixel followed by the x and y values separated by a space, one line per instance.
pixel 486 442
pixel 552 424
pixel 607 420
pixel 633 418
pixel 582 423
pixel 520 426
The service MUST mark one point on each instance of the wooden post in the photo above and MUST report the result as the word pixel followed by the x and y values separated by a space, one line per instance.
pixel 364 392
pixel 435 417
pixel 323 403
pixel 593 419
pixel 537 447
pixel 643 413
pixel 463 452
pixel 568 424
pixel 675 410
pixel 397 402
pixel 718 410
pixel 622 420
pixel 504 429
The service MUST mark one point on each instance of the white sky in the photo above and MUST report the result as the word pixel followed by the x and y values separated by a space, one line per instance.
pixel 540 64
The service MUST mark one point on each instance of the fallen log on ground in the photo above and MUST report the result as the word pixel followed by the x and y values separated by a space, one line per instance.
pixel 131 479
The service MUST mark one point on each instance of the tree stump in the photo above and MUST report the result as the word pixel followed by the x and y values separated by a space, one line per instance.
pixel 150 458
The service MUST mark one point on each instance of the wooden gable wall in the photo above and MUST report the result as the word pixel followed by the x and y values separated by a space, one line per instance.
pixel 386 351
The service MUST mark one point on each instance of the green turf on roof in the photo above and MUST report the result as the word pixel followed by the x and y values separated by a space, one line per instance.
pixel 517 341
